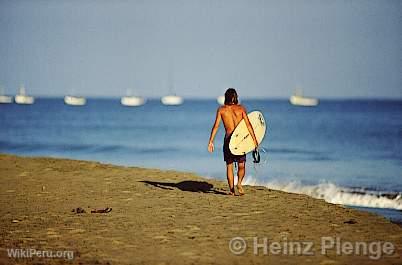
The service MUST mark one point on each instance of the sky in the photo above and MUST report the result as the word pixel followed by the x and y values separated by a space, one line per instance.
pixel 197 49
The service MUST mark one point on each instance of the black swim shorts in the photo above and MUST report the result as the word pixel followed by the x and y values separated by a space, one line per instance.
pixel 228 157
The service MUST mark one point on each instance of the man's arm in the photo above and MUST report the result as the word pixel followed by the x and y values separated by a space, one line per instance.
pixel 214 131
pixel 249 126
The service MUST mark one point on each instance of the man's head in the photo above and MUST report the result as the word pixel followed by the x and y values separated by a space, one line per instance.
pixel 231 97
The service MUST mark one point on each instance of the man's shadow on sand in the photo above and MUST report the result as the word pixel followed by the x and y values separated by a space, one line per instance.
pixel 187 185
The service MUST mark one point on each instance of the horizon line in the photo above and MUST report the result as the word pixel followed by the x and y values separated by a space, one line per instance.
pixel 214 98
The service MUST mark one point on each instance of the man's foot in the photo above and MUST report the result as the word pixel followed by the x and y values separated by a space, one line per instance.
pixel 232 192
pixel 240 189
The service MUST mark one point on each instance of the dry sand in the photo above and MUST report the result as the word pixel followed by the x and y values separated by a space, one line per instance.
pixel 167 217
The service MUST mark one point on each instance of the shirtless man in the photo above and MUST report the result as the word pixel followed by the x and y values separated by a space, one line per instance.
pixel 231 114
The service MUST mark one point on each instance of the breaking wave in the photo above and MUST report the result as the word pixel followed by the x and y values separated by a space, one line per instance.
pixel 335 194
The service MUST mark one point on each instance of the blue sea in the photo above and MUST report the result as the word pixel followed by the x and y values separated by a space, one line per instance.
pixel 344 151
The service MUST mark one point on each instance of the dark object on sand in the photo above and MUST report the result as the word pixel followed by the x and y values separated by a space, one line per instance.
pixel 101 210
pixel 351 221
pixel 104 210
pixel 78 210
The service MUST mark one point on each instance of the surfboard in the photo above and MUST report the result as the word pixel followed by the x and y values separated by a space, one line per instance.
pixel 241 141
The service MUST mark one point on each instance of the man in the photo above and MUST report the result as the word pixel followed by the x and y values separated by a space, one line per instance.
pixel 231 114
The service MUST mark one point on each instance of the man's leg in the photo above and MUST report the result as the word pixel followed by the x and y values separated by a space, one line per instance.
pixel 229 174
pixel 241 171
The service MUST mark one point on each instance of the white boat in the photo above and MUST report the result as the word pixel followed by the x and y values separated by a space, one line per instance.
pixel 221 100
pixel 75 101
pixel 297 99
pixel 132 101
pixel 4 99
pixel 172 100
pixel 22 98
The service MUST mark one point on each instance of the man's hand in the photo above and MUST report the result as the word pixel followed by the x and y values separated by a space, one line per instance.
pixel 211 147
pixel 256 145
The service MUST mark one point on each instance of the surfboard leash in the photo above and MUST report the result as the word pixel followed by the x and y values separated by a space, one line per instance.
pixel 257 159
pixel 256 156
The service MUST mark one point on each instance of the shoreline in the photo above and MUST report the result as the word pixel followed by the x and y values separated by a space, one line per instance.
pixel 375 210
pixel 166 217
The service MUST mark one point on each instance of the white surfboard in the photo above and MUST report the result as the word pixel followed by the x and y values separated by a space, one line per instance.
pixel 241 141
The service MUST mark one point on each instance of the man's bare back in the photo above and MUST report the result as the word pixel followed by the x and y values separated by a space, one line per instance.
pixel 231 116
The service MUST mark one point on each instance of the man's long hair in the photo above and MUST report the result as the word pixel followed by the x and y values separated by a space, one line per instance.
pixel 231 97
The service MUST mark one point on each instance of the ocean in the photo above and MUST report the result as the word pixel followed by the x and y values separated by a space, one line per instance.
pixel 343 151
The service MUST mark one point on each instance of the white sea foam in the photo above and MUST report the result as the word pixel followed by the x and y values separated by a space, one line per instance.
pixel 335 194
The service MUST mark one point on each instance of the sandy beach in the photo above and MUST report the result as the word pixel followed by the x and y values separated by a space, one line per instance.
pixel 168 217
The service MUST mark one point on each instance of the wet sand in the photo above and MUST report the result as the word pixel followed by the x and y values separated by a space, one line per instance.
pixel 168 217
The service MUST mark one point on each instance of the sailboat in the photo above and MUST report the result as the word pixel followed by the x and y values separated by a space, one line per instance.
pixel 132 101
pixel 297 99
pixel 4 99
pixel 75 100
pixel 22 98
pixel 221 100
pixel 172 100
